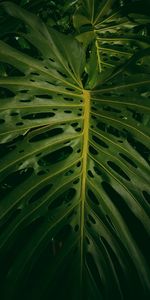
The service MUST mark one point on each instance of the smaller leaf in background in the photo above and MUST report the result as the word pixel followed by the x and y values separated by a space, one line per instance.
pixel 101 36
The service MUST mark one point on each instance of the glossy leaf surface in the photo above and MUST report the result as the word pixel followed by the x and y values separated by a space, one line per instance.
pixel 74 209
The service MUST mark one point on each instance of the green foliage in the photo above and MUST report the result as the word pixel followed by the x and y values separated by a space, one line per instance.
pixel 57 14
pixel 74 183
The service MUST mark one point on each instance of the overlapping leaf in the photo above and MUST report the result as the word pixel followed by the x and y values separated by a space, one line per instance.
pixel 110 34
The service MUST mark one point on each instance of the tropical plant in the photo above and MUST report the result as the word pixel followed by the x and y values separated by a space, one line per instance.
pixel 74 207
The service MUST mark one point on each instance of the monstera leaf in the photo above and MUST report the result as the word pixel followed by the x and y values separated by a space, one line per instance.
pixel 74 183
pixel 110 34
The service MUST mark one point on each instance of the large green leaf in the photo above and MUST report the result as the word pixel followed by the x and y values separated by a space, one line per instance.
pixel 74 207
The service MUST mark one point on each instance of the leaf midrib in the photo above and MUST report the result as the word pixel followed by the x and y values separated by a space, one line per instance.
pixel 86 98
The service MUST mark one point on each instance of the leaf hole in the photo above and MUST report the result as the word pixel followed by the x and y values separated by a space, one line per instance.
pixel 97 171
pixel 6 93
pixel 14 179
pixel 68 99
pixel 34 73
pixel 62 74
pixel 99 141
pixel 76 181
pixel 40 193
pixel 21 151
pixel 101 126
pixel 23 91
pixel 44 96
pixel 93 197
pixel 111 109
pixel 91 219
pixel 74 124
pixel 92 150
pixel 130 161
pixel 46 134
pixel 14 114
pixel 78 129
pixel 115 58
pixel 65 198
pixel 41 115
pixel 2 121
pixel 56 156
pixel 19 123
pixel 68 111
pixel 78 164
pixel 139 147
pixel 69 172
pixel 118 170
pixel 90 174
pixel 70 89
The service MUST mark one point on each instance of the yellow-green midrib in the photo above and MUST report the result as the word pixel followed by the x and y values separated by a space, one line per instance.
pixel 86 99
